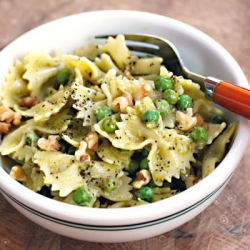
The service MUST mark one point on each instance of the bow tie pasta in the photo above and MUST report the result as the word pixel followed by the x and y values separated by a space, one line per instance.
pixel 101 127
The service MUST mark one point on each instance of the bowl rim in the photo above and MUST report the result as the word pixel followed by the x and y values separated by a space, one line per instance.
pixel 124 216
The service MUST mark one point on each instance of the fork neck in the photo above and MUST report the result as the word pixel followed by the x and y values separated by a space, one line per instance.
pixel 210 83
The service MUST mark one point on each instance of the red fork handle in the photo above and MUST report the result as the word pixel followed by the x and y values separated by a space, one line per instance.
pixel 232 97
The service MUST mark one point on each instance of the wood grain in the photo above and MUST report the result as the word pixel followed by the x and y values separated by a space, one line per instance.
pixel 225 224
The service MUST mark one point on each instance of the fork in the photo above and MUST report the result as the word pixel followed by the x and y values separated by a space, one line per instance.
pixel 223 93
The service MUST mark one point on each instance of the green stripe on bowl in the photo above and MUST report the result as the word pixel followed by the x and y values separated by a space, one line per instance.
pixel 114 228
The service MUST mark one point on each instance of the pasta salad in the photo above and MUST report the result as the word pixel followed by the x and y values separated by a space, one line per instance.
pixel 101 127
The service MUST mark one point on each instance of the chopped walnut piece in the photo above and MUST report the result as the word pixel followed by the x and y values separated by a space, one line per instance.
pixel 143 177
pixel 186 119
pixel 28 101
pixel 199 119
pixel 92 142
pixel 200 122
pixel 191 180
pixel 6 114
pixel 120 103
pixel 129 98
pixel 50 144
pixel 17 119
pixel 142 91
pixel 8 118
pixel 4 128
pixel 81 154
pixel 18 173
pixel 205 126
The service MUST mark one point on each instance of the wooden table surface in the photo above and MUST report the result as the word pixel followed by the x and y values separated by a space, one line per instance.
pixel 226 223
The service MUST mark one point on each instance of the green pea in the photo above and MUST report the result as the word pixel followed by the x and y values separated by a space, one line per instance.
pixel 217 119
pixel 81 196
pixel 199 135
pixel 171 96
pixel 145 193
pixel 151 118
pixel 184 102
pixel 144 152
pixel 63 77
pixel 109 124
pixel 31 138
pixel 109 185
pixel 162 106
pixel 133 166
pixel 144 164
pixel 162 83
pixel 28 141
pixel 102 112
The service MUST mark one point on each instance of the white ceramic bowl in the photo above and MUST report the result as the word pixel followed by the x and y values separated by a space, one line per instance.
pixel 201 54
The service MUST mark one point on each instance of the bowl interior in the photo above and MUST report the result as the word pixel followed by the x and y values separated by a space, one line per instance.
pixel 199 52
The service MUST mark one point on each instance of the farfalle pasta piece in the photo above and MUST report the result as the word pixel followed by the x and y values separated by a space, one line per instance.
pixel 105 63
pixel 90 51
pixel 120 54
pixel 204 104
pixel 215 130
pixel 162 193
pixel 87 100
pixel 14 86
pixel 51 105
pixel 113 155
pixel 23 155
pixel 117 49
pixel 190 88
pixel 216 151
pixel 56 124
pixel 88 69
pixel 60 170
pixel 75 132
pixel 168 120
pixel 113 86
pixel 40 66
pixel 117 189
pixel 110 180
pixel 170 156
pixel 16 139
pixel 35 177
pixel 146 66
pixel 165 72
